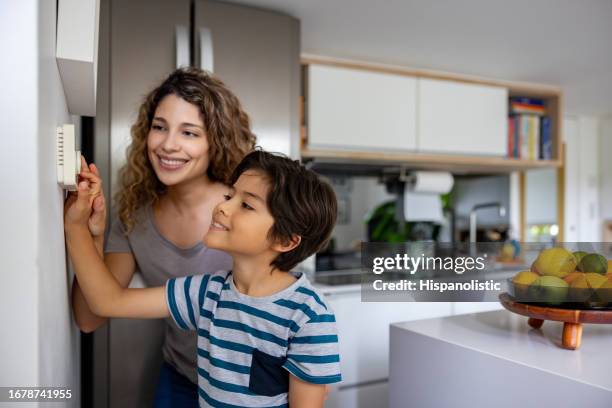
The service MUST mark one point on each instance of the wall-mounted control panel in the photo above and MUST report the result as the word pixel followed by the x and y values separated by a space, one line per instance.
pixel 68 158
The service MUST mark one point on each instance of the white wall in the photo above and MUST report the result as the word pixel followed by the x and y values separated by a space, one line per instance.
pixel 19 207
pixel 39 343
pixel 59 358
pixel 605 168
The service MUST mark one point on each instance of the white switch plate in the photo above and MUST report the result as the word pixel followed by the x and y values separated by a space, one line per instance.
pixel 68 158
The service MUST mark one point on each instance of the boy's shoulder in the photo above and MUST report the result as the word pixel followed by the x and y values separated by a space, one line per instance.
pixel 310 298
pixel 220 274
pixel 216 281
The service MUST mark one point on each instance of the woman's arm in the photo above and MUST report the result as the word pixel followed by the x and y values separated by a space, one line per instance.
pixel 122 267
pixel 103 293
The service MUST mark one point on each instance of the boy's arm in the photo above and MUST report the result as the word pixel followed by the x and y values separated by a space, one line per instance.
pixel 103 293
pixel 313 358
pixel 305 395
pixel 99 244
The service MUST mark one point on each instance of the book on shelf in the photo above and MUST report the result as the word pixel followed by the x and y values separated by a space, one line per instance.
pixel 520 105
pixel 534 137
pixel 528 109
pixel 529 129
pixel 545 139
pixel 524 132
pixel 525 138
pixel 527 101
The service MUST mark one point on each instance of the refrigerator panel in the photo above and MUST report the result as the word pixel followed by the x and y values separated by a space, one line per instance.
pixel 143 51
pixel 256 53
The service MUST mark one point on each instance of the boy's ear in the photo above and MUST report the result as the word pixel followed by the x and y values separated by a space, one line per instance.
pixel 288 245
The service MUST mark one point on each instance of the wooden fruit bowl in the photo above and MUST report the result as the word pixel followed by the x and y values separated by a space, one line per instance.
pixel 572 318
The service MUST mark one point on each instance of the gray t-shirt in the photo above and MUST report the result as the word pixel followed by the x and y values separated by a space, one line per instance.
pixel 158 260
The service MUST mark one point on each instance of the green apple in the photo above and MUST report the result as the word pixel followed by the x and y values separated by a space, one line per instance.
pixel 548 289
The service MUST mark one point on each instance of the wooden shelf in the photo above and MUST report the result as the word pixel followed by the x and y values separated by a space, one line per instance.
pixel 328 161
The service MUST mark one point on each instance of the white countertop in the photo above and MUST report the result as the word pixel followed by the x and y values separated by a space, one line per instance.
pixel 506 335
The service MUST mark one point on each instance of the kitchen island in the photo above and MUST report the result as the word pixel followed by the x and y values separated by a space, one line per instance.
pixel 494 359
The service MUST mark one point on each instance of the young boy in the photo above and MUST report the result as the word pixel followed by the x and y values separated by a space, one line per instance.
pixel 266 338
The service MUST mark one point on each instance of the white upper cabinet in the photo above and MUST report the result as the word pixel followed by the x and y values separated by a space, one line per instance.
pixel 355 109
pixel 462 118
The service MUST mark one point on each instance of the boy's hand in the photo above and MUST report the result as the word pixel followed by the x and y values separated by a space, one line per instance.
pixel 78 205
pixel 97 219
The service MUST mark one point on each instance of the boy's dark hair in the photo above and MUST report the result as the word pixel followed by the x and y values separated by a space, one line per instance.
pixel 300 202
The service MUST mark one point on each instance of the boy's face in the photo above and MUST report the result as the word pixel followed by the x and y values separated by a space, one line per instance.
pixel 241 223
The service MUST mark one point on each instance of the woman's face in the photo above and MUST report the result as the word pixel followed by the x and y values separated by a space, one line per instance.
pixel 177 144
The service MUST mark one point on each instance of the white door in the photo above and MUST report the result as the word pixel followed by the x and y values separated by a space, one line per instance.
pixel 570 137
pixel 581 180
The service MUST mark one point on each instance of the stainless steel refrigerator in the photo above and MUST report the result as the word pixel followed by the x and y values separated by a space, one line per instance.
pixel 256 53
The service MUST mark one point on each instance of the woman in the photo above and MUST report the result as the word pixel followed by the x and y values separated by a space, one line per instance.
pixel 190 133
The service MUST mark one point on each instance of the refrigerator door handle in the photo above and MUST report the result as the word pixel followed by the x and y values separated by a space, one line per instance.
pixel 206 49
pixel 181 38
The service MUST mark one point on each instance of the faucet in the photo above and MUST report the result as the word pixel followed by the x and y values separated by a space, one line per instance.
pixel 502 212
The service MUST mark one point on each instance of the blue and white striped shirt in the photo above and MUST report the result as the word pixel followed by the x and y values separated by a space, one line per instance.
pixel 248 345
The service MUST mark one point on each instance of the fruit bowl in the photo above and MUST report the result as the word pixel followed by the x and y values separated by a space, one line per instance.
pixel 561 297
pixel 572 318
pixel 561 278
pixel 569 287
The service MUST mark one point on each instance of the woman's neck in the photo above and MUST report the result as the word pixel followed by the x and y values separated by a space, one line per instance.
pixel 190 195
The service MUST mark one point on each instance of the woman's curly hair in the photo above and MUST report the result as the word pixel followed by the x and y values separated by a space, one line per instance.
pixel 227 127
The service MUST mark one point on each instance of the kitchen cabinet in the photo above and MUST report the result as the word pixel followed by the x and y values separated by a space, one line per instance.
pixel 364 339
pixel 358 109
pixel 462 118
pixel 355 116
pixel 363 335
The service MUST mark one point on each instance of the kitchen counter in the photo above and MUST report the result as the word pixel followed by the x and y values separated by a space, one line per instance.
pixel 494 359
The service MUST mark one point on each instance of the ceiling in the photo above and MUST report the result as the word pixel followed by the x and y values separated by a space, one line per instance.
pixel 561 42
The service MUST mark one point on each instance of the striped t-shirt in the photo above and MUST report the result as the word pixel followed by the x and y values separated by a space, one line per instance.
pixel 247 346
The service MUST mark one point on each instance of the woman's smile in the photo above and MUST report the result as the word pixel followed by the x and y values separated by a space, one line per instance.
pixel 170 163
